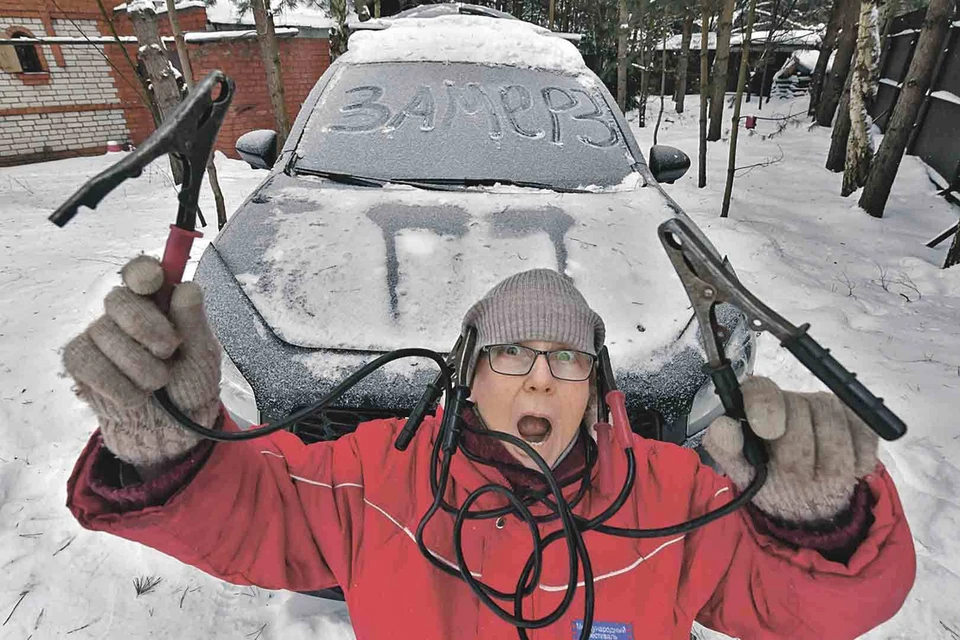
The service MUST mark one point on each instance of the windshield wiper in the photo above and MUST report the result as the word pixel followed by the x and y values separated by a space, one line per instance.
pixel 344 178
pixel 486 182
pixel 367 181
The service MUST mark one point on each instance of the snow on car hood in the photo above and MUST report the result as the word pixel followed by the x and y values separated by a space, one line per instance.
pixel 329 266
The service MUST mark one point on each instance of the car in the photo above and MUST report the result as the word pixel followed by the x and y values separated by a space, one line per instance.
pixel 443 152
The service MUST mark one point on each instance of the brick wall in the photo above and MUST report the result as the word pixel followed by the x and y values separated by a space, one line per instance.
pixel 33 137
pixel 38 8
pixel 72 109
pixel 303 61
pixel 84 100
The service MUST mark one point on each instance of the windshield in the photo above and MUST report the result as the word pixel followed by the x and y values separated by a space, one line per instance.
pixel 449 122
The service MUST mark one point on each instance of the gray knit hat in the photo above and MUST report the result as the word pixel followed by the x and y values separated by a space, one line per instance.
pixel 539 304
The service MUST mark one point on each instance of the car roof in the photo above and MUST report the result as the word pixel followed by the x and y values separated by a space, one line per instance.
pixel 454 37
pixel 452 8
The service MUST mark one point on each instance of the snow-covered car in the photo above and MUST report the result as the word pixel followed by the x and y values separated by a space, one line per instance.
pixel 434 158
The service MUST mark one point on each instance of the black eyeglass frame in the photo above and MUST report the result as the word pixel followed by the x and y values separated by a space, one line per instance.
pixel 537 354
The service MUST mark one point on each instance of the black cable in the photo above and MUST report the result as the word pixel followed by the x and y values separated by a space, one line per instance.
pixel 166 403
pixel 446 443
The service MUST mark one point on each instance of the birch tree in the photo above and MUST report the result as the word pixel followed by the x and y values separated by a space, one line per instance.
pixel 156 66
pixel 184 55
pixel 863 90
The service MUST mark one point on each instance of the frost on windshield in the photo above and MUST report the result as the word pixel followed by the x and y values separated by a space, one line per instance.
pixel 460 122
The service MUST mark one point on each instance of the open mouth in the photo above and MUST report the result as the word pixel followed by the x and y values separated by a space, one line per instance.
pixel 534 429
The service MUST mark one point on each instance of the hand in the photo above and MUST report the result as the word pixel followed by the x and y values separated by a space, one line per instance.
pixel 818 450
pixel 135 349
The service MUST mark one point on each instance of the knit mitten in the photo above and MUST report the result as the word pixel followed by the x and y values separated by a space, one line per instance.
pixel 818 450
pixel 135 349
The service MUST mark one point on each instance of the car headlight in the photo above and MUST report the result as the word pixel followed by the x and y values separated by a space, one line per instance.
pixel 237 394
pixel 741 350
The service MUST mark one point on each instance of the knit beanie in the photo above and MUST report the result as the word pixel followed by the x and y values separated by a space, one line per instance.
pixel 539 304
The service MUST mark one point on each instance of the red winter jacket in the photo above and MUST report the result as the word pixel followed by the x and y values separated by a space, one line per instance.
pixel 283 515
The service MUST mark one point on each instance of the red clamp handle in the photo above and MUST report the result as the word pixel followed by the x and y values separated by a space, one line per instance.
pixel 175 256
pixel 617 402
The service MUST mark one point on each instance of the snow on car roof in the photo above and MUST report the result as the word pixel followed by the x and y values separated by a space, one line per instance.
pixel 463 38
pixel 304 15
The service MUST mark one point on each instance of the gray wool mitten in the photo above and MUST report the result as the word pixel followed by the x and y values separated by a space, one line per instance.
pixel 133 350
pixel 818 450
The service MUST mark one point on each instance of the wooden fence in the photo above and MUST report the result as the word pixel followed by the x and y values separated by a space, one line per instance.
pixel 936 134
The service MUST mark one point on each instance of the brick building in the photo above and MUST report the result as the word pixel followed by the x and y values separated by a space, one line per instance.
pixel 68 99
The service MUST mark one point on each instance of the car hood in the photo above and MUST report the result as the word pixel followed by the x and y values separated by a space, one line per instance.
pixel 376 269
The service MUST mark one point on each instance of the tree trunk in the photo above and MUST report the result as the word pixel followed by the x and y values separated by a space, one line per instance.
pixel 862 92
pixel 644 25
pixel 826 48
pixel 837 156
pixel 143 91
pixel 553 10
pixel 270 53
pixel 741 81
pixel 623 29
pixel 767 53
pixel 663 83
pixel 680 84
pixel 153 58
pixel 833 86
pixel 953 254
pixel 887 161
pixel 720 64
pixel 704 89
pixel 188 80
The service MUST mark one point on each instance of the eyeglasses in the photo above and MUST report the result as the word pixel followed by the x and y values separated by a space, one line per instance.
pixel 518 360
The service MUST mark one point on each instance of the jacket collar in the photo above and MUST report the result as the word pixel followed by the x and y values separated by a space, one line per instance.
pixel 482 460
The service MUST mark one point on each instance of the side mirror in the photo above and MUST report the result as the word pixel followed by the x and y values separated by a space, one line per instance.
pixel 258 148
pixel 668 164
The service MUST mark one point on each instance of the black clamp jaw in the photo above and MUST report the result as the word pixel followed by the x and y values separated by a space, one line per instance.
pixel 189 132
pixel 708 282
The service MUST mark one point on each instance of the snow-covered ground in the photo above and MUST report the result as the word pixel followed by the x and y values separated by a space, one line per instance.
pixel 870 289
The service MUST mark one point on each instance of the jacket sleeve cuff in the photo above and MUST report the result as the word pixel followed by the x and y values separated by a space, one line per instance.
pixel 118 483
pixel 836 540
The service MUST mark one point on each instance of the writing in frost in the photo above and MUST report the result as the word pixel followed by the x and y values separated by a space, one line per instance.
pixel 548 114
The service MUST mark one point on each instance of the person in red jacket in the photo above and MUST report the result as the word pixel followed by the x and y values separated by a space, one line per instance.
pixel 822 551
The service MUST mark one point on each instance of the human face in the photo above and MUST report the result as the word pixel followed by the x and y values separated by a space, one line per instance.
pixel 538 408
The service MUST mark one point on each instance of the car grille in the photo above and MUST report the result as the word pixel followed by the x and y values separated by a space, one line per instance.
pixel 331 424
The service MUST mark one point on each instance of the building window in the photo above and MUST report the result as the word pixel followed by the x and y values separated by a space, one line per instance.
pixel 28 55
